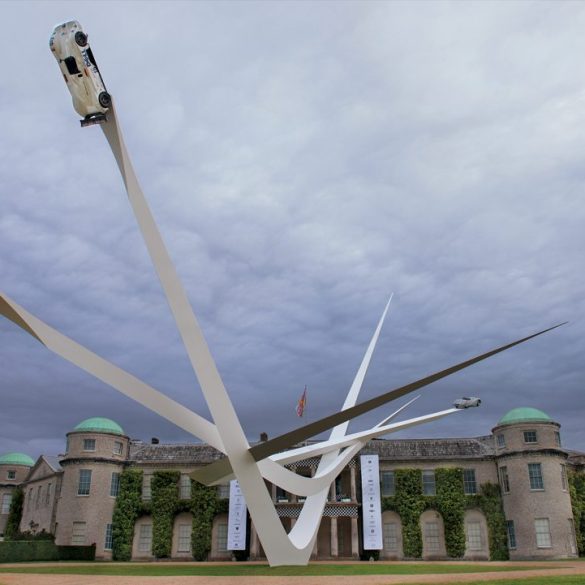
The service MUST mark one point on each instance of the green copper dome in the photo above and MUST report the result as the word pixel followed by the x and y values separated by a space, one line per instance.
pixel 16 459
pixel 98 424
pixel 524 414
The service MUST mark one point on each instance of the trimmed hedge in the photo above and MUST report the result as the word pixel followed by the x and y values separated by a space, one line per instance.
pixel 43 550
pixel 577 491
pixel 126 511
pixel 165 499
pixel 15 514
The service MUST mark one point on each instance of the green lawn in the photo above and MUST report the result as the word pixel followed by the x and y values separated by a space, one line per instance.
pixel 566 580
pixel 237 569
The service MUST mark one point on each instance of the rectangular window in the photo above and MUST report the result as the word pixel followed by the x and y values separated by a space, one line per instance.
pixel 184 544
pixel 115 485
pixel 89 444
pixel 511 534
pixel 145 538
pixel 390 536
pixel 504 479
pixel 572 537
pixel 428 478
pixel 223 491
pixel 558 439
pixel 6 501
pixel 474 536
pixel 78 534
pixel 146 491
pixel 222 532
pixel 11 474
pixel 530 437
pixel 84 482
pixel 388 487
pixel 39 496
pixel 535 475
pixel 564 483
pixel 469 482
pixel 118 446
pixel 48 494
pixel 542 528
pixel 109 539
pixel 185 487
pixel 501 441
pixel 432 536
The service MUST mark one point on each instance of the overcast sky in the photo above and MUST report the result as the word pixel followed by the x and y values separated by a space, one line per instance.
pixel 303 160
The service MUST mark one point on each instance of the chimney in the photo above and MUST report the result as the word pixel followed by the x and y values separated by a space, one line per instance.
pixel 263 437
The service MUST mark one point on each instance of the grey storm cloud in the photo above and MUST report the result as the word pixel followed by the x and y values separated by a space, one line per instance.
pixel 303 160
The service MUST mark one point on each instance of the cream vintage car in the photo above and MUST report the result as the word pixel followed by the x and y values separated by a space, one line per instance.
pixel 82 76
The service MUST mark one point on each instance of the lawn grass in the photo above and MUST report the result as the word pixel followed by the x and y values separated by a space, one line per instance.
pixel 237 569
pixel 563 580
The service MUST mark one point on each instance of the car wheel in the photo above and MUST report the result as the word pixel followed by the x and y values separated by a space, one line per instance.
pixel 81 38
pixel 105 99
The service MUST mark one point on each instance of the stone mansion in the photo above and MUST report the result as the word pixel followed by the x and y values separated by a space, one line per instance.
pixel 511 487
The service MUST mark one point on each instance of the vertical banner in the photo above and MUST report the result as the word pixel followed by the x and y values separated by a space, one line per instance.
pixel 236 539
pixel 371 508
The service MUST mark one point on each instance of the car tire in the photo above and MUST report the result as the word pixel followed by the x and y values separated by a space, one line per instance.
pixel 105 99
pixel 81 38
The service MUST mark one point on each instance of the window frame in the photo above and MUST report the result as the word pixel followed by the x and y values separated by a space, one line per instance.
pixel 145 538
pixel 469 482
pixel 474 542
pixel 530 437
pixel 11 474
pixel 536 479
pixel 115 484
pixel 222 537
pixel 387 483
pixel 389 534
pixel 547 534
pixel 429 487
pixel 184 541
pixel 89 442
pixel 87 474
pixel 511 534
pixel 109 537
pixel 504 479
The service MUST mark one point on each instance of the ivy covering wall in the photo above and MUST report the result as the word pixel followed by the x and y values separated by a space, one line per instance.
pixel 163 507
pixel 451 502
pixel 15 514
pixel 577 491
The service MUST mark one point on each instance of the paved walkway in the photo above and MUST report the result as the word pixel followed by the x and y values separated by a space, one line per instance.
pixel 561 568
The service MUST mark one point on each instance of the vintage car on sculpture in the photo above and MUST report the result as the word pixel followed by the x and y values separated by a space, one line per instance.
pixel 467 402
pixel 82 76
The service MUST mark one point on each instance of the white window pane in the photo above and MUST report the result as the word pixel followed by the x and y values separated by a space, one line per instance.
pixel 542 527
pixel 78 534
pixel 145 538
pixel 474 536
pixel 390 536
pixel 184 544
pixel 432 536
pixel 222 531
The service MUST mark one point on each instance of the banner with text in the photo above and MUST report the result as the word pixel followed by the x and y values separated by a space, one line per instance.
pixel 236 538
pixel 371 507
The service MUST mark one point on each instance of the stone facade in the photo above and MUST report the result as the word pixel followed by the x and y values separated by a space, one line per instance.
pixel 74 497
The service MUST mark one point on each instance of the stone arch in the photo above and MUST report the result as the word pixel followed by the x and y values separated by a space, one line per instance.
pixel 142 542
pixel 182 529
pixel 433 535
pixel 391 536
pixel 219 550
pixel 476 535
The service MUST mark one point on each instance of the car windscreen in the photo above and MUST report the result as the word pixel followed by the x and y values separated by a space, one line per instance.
pixel 71 65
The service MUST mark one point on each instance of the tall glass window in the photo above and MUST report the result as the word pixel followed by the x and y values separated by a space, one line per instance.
pixel 84 482
pixel 115 485
pixel 185 487
pixel 390 532
pixel 184 544
pixel 6 501
pixel 146 491
pixel 222 532
pixel 223 491
pixel 469 482
pixel 473 533
pixel 535 475
pixel 48 494
pixel 431 534
pixel 530 437
pixel 542 528
pixel 564 482
pixel 145 538
pixel 78 533
pixel 504 479
pixel 501 440
pixel 558 439
pixel 387 480
pixel 118 446
pixel 511 533
pixel 428 478
pixel 109 538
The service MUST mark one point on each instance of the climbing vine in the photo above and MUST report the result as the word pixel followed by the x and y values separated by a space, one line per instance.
pixel 163 507
pixel 577 491
pixel 409 504
pixel 489 501
pixel 15 514
pixel 451 502
pixel 204 506
pixel 128 508
pixel 165 500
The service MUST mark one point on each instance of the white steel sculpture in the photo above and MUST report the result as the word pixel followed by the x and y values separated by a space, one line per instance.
pixel 251 465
